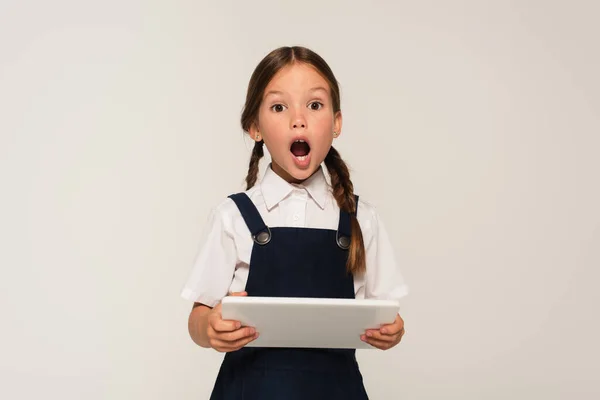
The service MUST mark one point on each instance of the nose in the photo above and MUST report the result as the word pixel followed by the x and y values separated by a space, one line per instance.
pixel 298 121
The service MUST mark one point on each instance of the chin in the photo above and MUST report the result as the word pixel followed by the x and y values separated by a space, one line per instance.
pixel 301 174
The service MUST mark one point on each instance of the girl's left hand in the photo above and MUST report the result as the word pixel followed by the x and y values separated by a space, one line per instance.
pixel 387 336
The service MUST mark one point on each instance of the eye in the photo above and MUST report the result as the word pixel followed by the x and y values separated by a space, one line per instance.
pixel 315 105
pixel 278 107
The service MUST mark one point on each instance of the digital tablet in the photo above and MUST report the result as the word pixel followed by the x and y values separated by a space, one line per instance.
pixel 309 322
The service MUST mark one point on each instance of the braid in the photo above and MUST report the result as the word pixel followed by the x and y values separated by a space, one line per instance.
pixel 257 154
pixel 343 191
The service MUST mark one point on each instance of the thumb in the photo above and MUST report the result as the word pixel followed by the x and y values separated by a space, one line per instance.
pixel 217 308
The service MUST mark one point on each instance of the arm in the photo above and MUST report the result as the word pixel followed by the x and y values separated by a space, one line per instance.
pixel 214 265
pixel 198 323
pixel 208 330
pixel 385 281
pixel 209 282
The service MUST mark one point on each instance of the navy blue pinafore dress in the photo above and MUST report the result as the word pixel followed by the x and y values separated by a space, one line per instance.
pixel 293 262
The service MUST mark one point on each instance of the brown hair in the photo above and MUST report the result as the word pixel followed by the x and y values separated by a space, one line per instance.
pixel 343 190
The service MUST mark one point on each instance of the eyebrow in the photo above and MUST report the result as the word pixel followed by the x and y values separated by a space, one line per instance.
pixel 270 92
pixel 315 89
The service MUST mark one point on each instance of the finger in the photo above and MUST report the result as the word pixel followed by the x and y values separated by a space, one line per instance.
pixel 217 308
pixel 223 346
pixel 380 344
pixel 377 335
pixel 394 328
pixel 236 335
pixel 386 341
pixel 238 344
pixel 224 325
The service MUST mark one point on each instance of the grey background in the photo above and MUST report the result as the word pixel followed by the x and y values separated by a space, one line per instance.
pixel 473 126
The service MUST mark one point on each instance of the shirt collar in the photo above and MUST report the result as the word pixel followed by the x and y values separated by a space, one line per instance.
pixel 274 188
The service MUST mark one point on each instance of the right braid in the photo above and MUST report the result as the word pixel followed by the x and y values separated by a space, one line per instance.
pixel 257 154
pixel 343 191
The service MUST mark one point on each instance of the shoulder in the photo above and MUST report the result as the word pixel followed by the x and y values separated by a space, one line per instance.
pixel 227 210
pixel 366 211
pixel 368 218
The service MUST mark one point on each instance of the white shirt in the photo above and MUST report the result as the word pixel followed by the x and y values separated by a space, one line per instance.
pixel 222 263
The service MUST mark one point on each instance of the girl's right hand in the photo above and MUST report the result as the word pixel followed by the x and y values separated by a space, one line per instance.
pixel 226 335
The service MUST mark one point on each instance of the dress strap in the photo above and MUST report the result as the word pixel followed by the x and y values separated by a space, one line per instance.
pixel 261 233
pixel 344 231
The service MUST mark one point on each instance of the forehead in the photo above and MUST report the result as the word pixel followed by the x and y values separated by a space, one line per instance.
pixel 296 77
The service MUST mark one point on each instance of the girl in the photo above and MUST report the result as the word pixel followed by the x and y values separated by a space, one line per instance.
pixel 292 235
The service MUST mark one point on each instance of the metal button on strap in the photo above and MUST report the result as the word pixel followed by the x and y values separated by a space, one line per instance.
pixel 343 242
pixel 263 237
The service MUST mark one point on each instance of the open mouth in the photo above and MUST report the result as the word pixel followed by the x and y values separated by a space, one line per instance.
pixel 300 149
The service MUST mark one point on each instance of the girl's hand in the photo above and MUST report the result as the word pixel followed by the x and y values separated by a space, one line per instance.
pixel 226 335
pixel 385 337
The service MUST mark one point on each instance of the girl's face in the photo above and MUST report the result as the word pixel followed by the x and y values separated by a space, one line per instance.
pixel 297 122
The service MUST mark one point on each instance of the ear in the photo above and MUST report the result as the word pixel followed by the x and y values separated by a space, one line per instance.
pixel 255 133
pixel 337 123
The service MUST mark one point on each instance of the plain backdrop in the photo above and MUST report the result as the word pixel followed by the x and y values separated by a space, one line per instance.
pixel 473 127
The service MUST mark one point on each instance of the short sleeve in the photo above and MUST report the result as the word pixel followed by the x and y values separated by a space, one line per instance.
pixel 384 279
pixel 214 265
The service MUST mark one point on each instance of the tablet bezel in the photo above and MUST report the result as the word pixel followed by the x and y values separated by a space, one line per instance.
pixel 309 322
